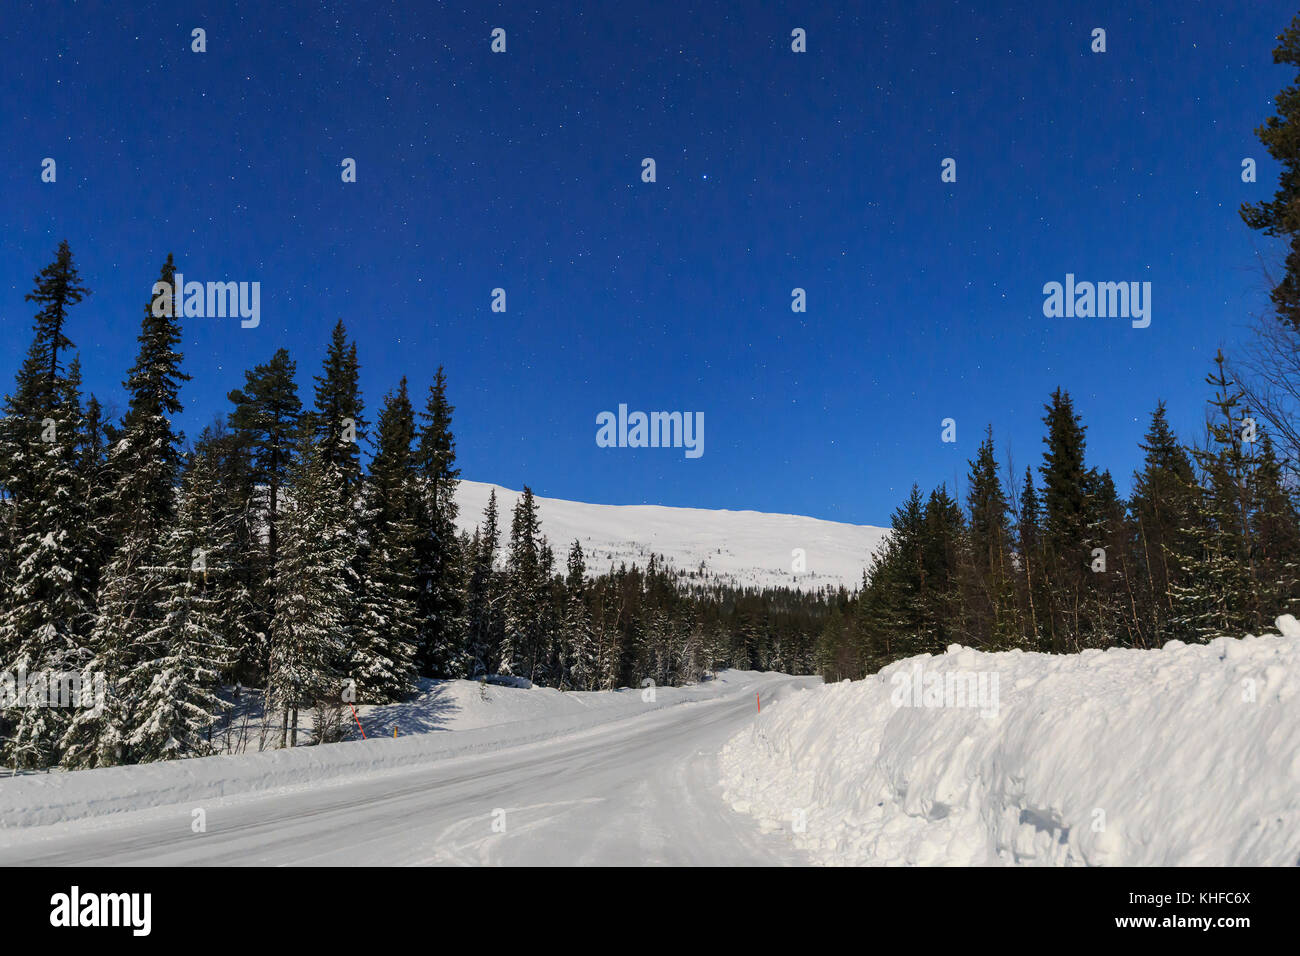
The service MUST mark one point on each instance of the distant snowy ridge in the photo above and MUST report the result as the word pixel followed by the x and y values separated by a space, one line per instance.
pixel 1187 755
pixel 744 548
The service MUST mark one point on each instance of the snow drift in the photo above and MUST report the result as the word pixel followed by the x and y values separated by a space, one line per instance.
pixel 1187 755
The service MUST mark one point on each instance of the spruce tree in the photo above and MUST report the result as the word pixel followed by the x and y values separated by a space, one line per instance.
pixel 991 608
pixel 58 288
pixel 146 458
pixel 47 611
pixel 238 519
pixel 265 422
pixel 1277 536
pixel 1111 613
pixel 943 530
pixel 484 599
pixel 578 639
pixel 97 479
pixel 1281 216
pixel 174 684
pixel 521 637
pixel 144 462
pixel 1028 544
pixel 313 590
pixel 383 663
pixel 1161 509
pixel 1064 476
pixel 1065 534
pixel 46 605
pixel 438 560
pixel 1216 597
pixel 337 423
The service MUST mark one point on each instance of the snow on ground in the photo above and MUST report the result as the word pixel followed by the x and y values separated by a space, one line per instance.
pixel 612 780
pixel 1187 755
pixel 746 548
pixel 447 719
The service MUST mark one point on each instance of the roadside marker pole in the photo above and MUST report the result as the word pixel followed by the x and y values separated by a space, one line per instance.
pixel 358 720
pixel 759 701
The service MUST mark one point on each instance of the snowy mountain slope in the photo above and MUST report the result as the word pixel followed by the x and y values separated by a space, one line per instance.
pixel 1187 755
pixel 747 548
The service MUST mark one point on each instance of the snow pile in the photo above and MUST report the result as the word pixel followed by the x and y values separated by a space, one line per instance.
pixel 448 719
pixel 744 548
pixel 1187 755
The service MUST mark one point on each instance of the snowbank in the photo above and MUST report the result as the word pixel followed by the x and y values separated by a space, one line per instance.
pixel 448 719
pixel 1179 756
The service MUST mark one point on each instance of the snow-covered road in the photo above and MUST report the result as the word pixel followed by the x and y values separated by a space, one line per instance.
pixel 641 790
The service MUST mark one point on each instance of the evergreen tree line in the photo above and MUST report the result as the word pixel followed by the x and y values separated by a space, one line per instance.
pixel 264 554
pixel 1207 544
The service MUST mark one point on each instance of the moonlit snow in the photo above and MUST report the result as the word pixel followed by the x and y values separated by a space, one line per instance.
pixel 1187 755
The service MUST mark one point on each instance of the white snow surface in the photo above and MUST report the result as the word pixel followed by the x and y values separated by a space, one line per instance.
pixel 579 778
pixel 1186 755
pixel 744 548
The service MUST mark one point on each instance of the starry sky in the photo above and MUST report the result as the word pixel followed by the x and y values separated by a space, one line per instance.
pixel 775 170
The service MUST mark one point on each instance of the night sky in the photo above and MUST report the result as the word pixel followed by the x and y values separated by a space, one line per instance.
pixel 775 170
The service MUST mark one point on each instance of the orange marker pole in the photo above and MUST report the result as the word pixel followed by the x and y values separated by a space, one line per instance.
pixel 358 720
pixel 759 701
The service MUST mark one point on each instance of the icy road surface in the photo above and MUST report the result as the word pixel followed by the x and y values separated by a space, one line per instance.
pixel 639 790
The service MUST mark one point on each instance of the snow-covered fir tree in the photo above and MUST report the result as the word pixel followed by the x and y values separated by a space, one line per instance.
pixel 144 461
pixel 265 427
pixel 387 635
pixel 337 423
pixel 46 609
pixel 522 643
pixel 313 590
pixel 483 593
pixel 1218 595
pixel 173 687
pixel 577 637
pixel 439 561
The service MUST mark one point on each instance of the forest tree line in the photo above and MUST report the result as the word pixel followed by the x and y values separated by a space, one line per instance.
pixel 1207 544
pixel 264 554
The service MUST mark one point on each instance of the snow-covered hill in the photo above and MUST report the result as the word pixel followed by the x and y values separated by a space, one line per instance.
pixel 746 548
pixel 1187 755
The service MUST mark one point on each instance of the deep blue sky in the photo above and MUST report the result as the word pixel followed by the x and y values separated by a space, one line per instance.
pixel 775 170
